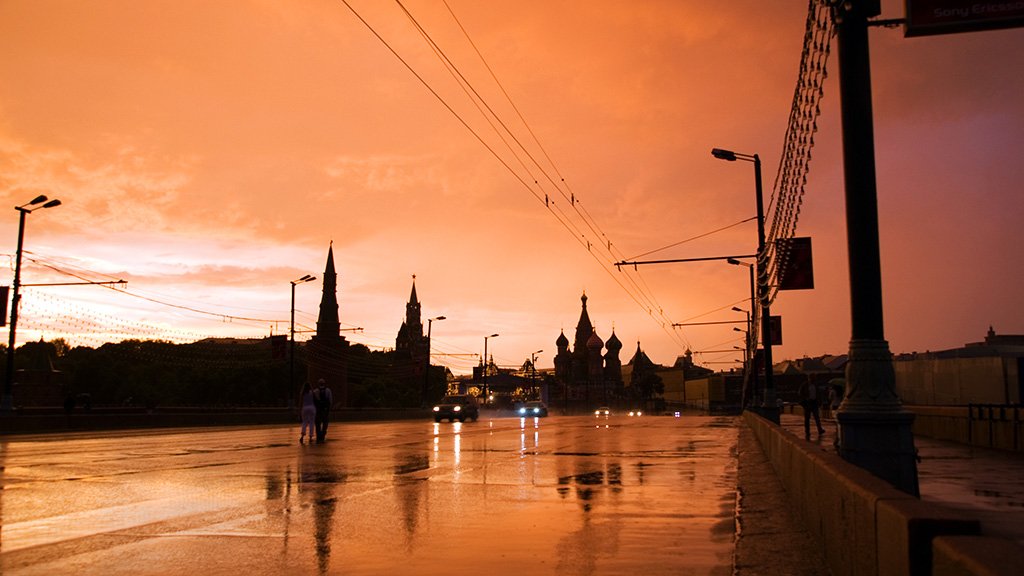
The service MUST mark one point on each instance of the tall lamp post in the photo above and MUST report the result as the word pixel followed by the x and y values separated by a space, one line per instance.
pixel 426 369
pixel 485 366
pixel 751 378
pixel 23 210
pixel 769 409
pixel 291 342
pixel 533 367
pixel 748 354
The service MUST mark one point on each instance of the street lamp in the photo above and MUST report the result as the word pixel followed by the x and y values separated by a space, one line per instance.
pixel 485 365
pixel 748 353
pixel 291 343
pixel 426 371
pixel 751 376
pixel 533 366
pixel 769 409
pixel 38 202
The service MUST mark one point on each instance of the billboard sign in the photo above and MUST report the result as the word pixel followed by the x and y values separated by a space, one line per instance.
pixel 930 17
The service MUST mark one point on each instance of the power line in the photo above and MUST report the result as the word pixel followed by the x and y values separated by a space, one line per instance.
pixel 640 293
pixel 127 292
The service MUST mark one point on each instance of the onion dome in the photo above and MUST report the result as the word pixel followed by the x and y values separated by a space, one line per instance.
pixel 613 343
pixel 562 341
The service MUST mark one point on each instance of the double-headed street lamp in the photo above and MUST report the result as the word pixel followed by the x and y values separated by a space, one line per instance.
pixel 426 368
pixel 38 202
pixel 485 366
pixel 533 366
pixel 291 343
pixel 769 409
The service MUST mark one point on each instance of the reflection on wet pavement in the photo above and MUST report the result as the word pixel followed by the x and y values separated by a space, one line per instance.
pixel 554 495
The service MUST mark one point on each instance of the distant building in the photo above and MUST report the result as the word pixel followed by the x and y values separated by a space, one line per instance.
pixel 327 350
pixel 987 372
pixel 411 344
pixel 587 377
pixel 412 348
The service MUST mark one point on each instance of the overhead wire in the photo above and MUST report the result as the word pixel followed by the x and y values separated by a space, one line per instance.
pixel 124 290
pixel 641 294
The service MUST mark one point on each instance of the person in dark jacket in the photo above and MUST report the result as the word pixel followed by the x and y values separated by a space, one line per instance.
pixel 810 403
pixel 323 400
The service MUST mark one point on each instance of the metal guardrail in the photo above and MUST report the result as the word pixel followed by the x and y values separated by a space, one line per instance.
pixel 995 416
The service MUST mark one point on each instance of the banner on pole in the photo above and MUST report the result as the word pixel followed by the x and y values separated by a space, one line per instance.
pixel 797 272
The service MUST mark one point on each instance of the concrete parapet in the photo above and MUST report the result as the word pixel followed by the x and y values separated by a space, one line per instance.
pixel 906 529
pixel 864 525
pixel 976 556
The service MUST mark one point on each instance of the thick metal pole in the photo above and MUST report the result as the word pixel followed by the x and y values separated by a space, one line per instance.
pixel 485 369
pixel 533 381
pixel 874 430
pixel 8 399
pixel 768 406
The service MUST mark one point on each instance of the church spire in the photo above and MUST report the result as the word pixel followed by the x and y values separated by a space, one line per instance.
pixel 327 325
pixel 583 328
pixel 327 356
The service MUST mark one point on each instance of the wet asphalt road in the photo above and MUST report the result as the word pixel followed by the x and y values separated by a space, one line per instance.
pixel 558 495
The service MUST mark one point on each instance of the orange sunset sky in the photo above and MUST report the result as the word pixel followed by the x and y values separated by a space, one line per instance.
pixel 209 152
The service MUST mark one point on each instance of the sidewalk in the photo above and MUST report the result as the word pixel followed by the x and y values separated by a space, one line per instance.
pixel 770 539
pixel 982 483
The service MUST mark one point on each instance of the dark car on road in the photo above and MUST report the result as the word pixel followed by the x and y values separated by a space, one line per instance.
pixel 459 407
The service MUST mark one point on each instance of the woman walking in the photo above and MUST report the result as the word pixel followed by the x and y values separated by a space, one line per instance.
pixel 308 403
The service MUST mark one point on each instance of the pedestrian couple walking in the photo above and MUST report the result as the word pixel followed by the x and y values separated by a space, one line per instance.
pixel 316 411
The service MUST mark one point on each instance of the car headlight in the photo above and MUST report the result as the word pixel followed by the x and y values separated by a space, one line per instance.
pixel 457 408
pixel 536 410
pixel 437 408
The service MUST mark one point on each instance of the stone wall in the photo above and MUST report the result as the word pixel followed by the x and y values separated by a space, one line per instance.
pixel 864 525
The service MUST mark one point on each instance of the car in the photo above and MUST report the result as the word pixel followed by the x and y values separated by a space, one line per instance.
pixel 603 411
pixel 533 409
pixel 636 412
pixel 459 407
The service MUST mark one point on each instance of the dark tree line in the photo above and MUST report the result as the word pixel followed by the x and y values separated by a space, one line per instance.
pixel 218 373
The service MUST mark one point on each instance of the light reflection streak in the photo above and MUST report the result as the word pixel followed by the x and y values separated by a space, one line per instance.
pixel 457 427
